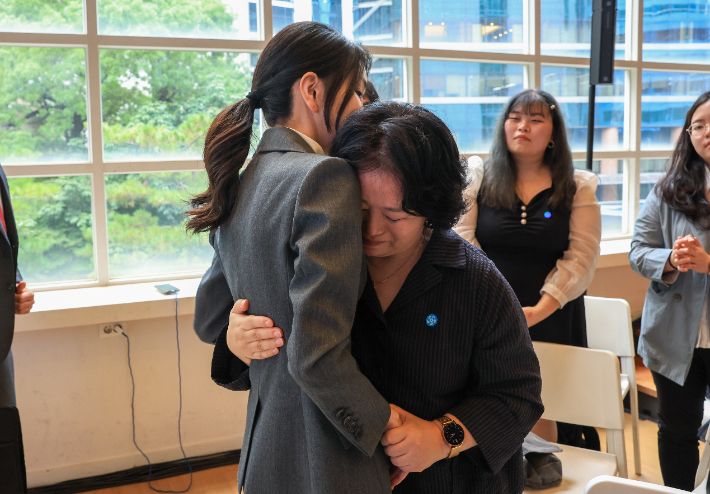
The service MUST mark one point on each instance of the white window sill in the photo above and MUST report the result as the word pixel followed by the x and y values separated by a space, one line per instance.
pixel 120 303
pixel 99 305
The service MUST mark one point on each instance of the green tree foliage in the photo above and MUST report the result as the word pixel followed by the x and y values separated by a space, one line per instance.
pixel 145 223
pixel 54 224
pixel 199 18
pixel 156 104
pixel 42 104
pixel 43 16
pixel 161 102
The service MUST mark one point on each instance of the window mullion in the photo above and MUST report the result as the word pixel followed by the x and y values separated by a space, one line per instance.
pixel 93 89
pixel 267 26
pixel 415 79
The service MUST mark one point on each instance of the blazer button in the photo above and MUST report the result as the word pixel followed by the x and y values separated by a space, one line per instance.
pixel 341 413
pixel 358 433
pixel 677 297
pixel 10 287
pixel 348 420
pixel 352 427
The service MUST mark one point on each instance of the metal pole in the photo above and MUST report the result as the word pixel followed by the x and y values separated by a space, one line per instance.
pixel 590 126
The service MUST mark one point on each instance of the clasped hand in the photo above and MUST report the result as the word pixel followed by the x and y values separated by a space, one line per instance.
pixel 413 446
pixel 689 254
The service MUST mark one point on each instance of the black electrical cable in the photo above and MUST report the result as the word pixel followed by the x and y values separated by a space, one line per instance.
pixel 133 411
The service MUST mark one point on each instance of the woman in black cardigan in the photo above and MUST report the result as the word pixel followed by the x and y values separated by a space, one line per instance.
pixel 438 331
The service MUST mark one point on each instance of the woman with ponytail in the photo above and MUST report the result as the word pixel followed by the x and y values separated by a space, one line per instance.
pixel 286 235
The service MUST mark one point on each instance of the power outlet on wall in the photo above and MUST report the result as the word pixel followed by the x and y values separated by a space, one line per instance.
pixel 111 329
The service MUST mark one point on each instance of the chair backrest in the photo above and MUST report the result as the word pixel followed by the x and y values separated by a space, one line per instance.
pixel 580 385
pixel 609 325
pixel 604 484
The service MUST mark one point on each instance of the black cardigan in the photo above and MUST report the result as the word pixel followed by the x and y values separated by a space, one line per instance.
pixel 475 362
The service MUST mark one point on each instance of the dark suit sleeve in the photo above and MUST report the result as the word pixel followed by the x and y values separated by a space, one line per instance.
pixel 504 402
pixel 213 301
pixel 324 290
pixel 227 370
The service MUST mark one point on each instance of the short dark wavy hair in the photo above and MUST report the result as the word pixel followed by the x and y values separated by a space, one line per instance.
pixel 416 147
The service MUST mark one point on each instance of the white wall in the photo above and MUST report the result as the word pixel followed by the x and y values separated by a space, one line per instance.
pixel 74 395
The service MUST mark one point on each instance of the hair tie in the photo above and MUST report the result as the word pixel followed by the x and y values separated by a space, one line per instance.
pixel 255 98
pixel 552 107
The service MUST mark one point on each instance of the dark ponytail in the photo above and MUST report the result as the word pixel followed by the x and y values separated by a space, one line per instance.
pixel 296 50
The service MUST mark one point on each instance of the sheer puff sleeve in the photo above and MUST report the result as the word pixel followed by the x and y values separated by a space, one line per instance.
pixel 575 269
pixel 466 226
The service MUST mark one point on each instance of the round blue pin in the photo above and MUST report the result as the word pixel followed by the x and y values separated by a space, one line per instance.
pixel 547 214
pixel 431 320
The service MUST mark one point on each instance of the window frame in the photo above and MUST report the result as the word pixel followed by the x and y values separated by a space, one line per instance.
pixel 97 167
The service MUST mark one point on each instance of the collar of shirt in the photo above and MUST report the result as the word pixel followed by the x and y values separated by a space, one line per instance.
pixel 444 249
pixel 314 145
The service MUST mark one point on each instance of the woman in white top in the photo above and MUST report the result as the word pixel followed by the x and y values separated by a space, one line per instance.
pixel 537 218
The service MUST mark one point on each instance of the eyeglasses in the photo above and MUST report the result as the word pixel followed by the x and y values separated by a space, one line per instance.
pixel 698 130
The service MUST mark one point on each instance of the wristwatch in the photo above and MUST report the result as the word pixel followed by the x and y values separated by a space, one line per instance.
pixel 453 435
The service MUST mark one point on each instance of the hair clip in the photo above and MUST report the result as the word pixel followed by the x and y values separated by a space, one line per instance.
pixel 552 107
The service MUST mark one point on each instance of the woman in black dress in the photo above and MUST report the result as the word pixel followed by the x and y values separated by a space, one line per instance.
pixel 537 219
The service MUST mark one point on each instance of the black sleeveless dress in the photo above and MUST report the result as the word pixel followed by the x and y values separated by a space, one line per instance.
pixel 525 245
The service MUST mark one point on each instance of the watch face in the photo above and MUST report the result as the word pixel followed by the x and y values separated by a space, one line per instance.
pixel 453 433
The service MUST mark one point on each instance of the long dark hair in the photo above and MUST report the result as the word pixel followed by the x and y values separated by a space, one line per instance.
pixel 498 187
pixel 417 148
pixel 683 187
pixel 296 49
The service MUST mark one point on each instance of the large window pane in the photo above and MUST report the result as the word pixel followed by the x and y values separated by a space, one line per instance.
pixel 610 193
pixel 651 172
pixel 53 216
pixel 570 87
pixel 665 99
pixel 477 25
pixel 221 19
pixel 42 105
pixel 369 22
pixel 469 97
pixel 57 16
pixel 159 104
pixel 146 224
pixel 388 77
pixel 567 28
pixel 675 32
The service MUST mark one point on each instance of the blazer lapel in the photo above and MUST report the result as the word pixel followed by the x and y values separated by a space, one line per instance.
pixel 444 250
pixel 369 300
pixel 283 140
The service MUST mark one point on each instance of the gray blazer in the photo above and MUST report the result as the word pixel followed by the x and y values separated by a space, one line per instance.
pixel 671 313
pixel 9 277
pixel 294 249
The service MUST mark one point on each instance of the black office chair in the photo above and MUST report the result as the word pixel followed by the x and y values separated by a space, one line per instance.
pixel 13 477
